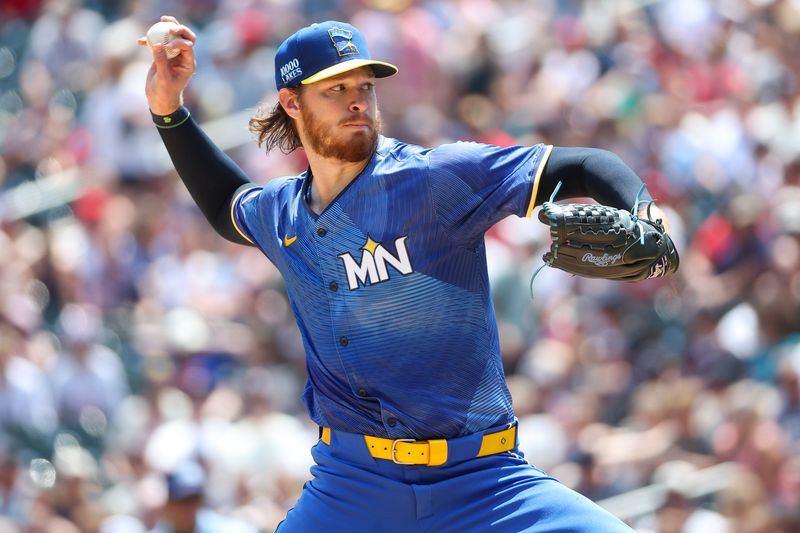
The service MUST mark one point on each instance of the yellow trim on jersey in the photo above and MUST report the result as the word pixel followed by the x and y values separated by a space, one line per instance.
pixel 233 218
pixel 538 177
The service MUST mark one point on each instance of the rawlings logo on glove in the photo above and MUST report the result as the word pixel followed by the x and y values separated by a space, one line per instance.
pixel 601 260
pixel 598 241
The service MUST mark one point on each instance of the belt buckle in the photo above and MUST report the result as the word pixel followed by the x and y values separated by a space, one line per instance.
pixel 394 451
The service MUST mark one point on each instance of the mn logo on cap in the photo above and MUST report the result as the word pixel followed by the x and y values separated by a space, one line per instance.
pixel 342 40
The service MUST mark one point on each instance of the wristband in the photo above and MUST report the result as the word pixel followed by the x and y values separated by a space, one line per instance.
pixel 172 120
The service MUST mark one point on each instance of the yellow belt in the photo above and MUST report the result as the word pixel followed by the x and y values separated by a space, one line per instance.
pixel 429 452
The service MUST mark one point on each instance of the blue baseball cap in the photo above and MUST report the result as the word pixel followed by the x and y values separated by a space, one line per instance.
pixel 321 51
pixel 186 480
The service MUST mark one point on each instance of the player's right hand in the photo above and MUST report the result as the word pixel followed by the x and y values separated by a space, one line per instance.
pixel 167 78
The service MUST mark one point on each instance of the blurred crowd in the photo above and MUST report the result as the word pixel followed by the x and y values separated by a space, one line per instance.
pixel 150 372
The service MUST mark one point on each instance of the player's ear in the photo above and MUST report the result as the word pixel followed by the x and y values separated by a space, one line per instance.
pixel 290 101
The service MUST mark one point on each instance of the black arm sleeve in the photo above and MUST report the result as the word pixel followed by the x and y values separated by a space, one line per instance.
pixel 210 175
pixel 591 172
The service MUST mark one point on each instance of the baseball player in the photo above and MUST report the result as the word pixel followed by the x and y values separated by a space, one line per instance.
pixel 381 246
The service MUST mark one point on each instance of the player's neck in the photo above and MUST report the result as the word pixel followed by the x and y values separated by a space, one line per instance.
pixel 331 176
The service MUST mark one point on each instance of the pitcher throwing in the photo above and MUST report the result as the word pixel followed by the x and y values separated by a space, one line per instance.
pixel 381 246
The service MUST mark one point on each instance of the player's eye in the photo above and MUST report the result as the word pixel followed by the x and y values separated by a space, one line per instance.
pixel 337 88
pixel 369 86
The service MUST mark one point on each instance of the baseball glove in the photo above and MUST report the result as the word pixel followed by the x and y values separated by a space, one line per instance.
pixel 598 241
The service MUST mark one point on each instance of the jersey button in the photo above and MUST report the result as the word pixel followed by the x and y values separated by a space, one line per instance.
pixel 322 232
pixel 392 421
pixel 362 393
pixel 333 286
pixel 343 341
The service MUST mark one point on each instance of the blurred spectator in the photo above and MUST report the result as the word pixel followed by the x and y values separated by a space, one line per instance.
pixel 185 512
pixel 14 500
pixel 28 415
pixel 88 378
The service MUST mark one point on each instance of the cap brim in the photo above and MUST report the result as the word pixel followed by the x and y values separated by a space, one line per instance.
pixel 381 69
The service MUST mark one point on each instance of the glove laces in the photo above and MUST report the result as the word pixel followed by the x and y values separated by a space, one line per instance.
pixel 547 262
pixel 635 212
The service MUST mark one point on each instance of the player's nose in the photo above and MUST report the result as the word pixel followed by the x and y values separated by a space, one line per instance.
pixel 358 105
pixel 358 102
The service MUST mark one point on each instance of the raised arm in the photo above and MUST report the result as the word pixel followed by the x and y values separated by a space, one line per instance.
pixel 211 177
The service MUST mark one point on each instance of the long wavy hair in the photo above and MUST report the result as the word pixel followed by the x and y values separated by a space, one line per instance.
pixel 274 128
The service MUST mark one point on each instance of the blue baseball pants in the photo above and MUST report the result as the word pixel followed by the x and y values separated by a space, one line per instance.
pixel 353 492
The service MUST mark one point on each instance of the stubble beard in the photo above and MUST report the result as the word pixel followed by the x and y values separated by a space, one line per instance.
pixel 357 146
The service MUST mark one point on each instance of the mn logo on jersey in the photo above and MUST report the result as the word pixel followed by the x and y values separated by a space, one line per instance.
pixel 375 259
pixel 342 40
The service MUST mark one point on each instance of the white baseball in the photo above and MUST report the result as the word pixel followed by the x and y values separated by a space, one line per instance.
pixel 163 32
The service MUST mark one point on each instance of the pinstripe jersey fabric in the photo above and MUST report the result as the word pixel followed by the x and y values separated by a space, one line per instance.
pixel 389 285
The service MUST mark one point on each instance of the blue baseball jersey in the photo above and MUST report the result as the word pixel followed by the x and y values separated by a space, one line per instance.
pixel 389 285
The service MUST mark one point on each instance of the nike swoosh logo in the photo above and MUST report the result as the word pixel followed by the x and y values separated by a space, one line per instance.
pixel 287 241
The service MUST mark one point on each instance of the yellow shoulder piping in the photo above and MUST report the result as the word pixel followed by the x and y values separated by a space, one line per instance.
pixel 538 177
pixel 233 218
